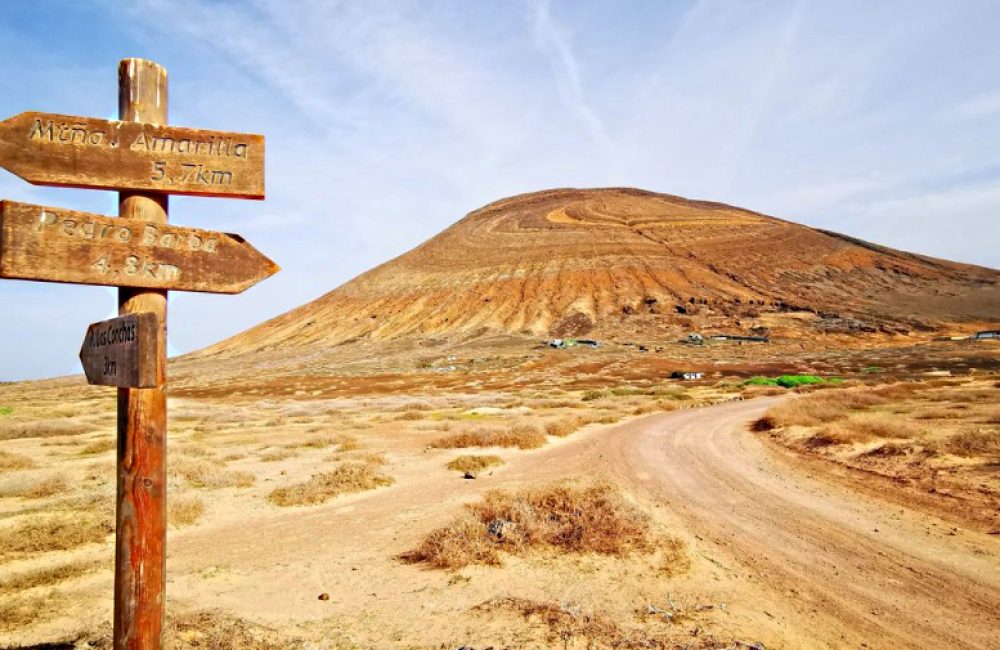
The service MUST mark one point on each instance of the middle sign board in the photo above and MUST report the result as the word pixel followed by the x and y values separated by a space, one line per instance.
pixel 56 245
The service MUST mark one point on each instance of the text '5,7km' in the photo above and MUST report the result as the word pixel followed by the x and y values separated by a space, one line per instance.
pixel 50 149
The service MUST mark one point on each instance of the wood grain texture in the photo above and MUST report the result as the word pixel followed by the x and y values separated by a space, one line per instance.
pixel 122 352
pixel 57 245
pixel 140 532
pixel 71 151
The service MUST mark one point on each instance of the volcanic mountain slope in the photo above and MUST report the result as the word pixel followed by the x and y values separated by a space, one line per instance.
pixel 606 262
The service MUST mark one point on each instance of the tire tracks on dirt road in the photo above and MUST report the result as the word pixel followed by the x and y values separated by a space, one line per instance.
pixel 846 569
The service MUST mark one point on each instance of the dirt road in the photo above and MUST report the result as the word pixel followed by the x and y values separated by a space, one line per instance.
pixel 828 567
pixel 799 562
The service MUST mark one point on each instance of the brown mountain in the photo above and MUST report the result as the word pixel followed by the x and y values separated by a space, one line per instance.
pixel 620 263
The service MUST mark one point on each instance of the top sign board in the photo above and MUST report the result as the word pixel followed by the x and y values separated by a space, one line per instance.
pixel 50 149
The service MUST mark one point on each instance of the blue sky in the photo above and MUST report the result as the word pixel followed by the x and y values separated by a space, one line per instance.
pixel 388 121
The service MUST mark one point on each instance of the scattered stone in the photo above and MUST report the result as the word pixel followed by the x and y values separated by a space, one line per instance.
pixel 469 475
pixel 324 596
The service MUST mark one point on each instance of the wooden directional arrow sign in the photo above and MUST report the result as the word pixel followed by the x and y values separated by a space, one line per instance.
pixel 56 245
pixel 122 352
pixel 49 149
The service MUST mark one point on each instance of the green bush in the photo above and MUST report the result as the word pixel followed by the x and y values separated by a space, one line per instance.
pixel 789 381
pixel 6 410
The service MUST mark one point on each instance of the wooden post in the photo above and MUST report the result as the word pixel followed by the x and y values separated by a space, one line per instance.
pixel 140 537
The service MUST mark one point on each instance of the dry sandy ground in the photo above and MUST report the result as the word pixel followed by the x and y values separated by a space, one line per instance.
pixel 778 556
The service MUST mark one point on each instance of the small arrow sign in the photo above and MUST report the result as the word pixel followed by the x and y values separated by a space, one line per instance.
pixel 122 352
pixel 51 149
pixel 56 245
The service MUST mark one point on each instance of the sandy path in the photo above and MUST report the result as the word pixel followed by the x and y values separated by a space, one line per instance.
pixel 804 562
pixel 852 570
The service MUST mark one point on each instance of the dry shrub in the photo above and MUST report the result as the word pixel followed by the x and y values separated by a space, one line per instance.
pixel 562 427
pixel 877 425
pixel 215 630
pixel 12 462
pixel 937 414
pixel 349 477
pixel 53 533
pixel 901 389
pixel 834 433
pixel 18 612
pixel 209 474
pixel 888 449
pixel 36 489
pixel 764 423
pixel 822 407
pixel 472 464
pixel 46 576
pixel 99 446
pixel 974 443
pixel 11 430
pixel 348 443
pixel 273 455
pixel 571 626
pixel 590 518
pixel 184 510
pixel 372 458
pixel 411 415
pixel 520 436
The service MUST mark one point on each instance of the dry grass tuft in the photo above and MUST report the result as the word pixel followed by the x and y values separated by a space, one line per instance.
pixel 520 436
pixel 47 576
pixel 36 489
pixel 216 630
pixel 591 518
pixel 562 427
pixel 19 612
pixel 974 443
pixel 821 407
pixel 99 446
pixel 764 423
pixel 12 462
pixel 184 510
pixel 569 625
pixel 273 455
pixel 350 477
pixel 473 464
pixel 209 474
pixel 53 533
pixel 12 430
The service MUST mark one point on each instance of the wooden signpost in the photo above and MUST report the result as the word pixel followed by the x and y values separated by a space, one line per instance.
pixel 144 257
pixel 121 352
pixel 56 245
pixel 49 149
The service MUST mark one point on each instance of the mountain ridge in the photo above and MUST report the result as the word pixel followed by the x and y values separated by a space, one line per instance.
pixel 624 261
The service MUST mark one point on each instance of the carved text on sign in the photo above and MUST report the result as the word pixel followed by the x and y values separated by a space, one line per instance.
pixel 50 149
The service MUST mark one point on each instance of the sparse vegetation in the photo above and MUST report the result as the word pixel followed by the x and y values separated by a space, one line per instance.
pixel 349 477
pixel 46 576
pixel 201 473
pixel 53 533
pixel 184 510
pixel 520 436
pixel 12 462
pixel 99 446
pixel 13 429
pixel 592 518
pixel 563 426
pixel 472 464
pixel 32 488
